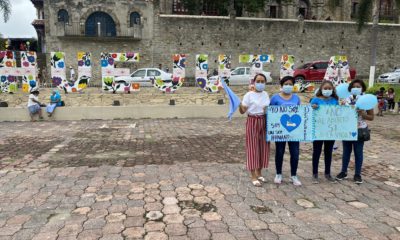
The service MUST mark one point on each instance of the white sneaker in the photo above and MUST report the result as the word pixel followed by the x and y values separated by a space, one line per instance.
pixel 278 179
pixel 295 180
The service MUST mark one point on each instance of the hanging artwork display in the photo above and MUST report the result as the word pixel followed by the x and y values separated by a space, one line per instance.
pixel 201 75
pixel 7 70
pixel 287 66
pixel 57 69
pixel 338 70
pixel 178 75
pixel 28 63
pixel 256 64
pixel 224 66
pixel 109 72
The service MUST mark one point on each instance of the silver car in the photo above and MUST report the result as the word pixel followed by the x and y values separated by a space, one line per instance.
pixel 241 76
pixel 392 77
pixel 145 76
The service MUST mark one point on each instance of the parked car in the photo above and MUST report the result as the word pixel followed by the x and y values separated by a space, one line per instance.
pixel 391 77
pixel 241 76
pixel 315 71
pixel 145 76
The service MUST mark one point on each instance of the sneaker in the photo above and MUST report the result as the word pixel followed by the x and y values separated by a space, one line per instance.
pixel 358 179
pixel 315 179
pixel 341 176
pixel 329 178
pixel 278 179
pixel 295 180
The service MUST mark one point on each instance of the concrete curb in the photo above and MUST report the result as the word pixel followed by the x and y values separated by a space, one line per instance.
pixel 121 112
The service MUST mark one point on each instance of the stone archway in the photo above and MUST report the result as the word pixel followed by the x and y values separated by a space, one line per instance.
pixel 114 17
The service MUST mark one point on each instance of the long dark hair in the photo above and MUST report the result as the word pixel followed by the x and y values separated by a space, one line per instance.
pixel 255 77
pixel 319 92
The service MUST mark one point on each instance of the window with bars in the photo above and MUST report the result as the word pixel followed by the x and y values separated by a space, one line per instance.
pixel 178 7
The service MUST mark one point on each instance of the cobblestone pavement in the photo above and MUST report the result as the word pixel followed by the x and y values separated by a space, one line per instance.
pixel 182 179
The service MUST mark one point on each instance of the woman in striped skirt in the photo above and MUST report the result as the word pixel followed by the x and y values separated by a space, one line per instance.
pixel 254 104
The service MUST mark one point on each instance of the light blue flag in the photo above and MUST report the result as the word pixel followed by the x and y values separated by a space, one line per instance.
pixel 234 101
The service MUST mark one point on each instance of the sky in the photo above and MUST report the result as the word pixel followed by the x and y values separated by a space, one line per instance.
pixel 19 24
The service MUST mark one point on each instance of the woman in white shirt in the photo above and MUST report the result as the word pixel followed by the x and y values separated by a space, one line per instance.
pixel 254 104
pixel 34 104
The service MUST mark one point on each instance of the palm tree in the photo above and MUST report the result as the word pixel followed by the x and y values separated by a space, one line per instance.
pixel 364 10
pixel 5 7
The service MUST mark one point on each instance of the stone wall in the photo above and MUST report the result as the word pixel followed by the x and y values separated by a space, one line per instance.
pixel 165 35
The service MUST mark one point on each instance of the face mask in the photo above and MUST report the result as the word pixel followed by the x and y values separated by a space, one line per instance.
pixel 287 89
pixel 327 93
pixel 260 87
pixel 356 91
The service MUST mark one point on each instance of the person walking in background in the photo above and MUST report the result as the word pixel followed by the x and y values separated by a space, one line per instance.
pixel 55 101
pixel 72 74
pixel 391 95
pixel 34 105
pixel 286 98
pixel 381 101
pixel 326 95
pixel 257 149
pixel 357 88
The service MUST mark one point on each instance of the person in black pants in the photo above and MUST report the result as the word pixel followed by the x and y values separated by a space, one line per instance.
pixel 326 95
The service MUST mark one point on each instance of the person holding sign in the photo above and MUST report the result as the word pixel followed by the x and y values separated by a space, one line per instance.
pixel 286 98
pixel 326 95
pixel 254 104
pixel 357 88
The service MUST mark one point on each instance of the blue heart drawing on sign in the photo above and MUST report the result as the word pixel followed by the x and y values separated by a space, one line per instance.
pixel 354 134
pixel 290 123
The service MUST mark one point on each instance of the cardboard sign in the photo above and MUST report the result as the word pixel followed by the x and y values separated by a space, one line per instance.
pixel 335 123
pixel 303 124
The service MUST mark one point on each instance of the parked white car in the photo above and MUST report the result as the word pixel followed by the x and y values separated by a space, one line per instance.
pixel 392 77
pixel 145 77
pixel 241 76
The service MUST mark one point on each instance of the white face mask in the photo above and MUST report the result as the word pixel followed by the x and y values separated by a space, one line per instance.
pixel 327 93
pixel 287 89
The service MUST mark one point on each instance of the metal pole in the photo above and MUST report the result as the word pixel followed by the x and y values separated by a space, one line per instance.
pixel 98 29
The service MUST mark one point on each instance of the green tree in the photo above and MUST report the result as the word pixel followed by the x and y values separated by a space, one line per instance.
pixel 5 8
pixel 365 9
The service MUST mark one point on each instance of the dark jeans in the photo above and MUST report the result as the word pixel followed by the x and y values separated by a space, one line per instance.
pixel 348 147
pixel 317 149
pixel 391 104
pixel 294 156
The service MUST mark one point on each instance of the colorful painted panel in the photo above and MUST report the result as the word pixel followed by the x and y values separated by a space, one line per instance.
pixel 7 79
pixel 201 75
pixel 28 62
pixel 107 61
pixel 178 75
pixel 224 66
pixel 58 74
pixel 338 70
pixel 287 66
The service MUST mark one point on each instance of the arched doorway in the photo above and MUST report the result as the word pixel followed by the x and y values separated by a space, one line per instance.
pixel 100 24
pixel 304 8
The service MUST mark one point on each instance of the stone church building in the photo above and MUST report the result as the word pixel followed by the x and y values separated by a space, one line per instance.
pixel 159 28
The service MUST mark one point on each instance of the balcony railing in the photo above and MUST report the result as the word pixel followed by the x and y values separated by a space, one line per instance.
pixel 76 29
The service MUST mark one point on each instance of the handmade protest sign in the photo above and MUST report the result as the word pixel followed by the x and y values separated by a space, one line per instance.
pixel 335 123
pixel 289 123
pixel 303 124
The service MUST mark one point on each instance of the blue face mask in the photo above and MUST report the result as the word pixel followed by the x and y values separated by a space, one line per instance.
pixel 327 93
pixel 287 89
pixel 356 91
pixel 260 87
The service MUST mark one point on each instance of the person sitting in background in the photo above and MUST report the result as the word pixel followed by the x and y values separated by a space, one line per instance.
pixel 55 101
pixel 34 104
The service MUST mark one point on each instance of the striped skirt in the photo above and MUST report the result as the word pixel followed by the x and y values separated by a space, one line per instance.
pixel 257 148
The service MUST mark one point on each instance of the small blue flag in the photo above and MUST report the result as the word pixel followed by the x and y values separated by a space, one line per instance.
pixel 234 101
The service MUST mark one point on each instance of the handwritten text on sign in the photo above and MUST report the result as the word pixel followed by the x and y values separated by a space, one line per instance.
pixel 335 123
pixel 289 123
pixel 302 123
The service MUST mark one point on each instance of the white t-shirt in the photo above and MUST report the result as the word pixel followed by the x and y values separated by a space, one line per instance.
pixel 256 102
pixel 31 98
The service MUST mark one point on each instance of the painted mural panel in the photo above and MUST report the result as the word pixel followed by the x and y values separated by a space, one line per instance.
pixel 338 70
pixel 287 66
pixel 109 72
pixel 178 75
pixel 57 69
pixel 201 75
pixel 7 66
pixel 29 63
